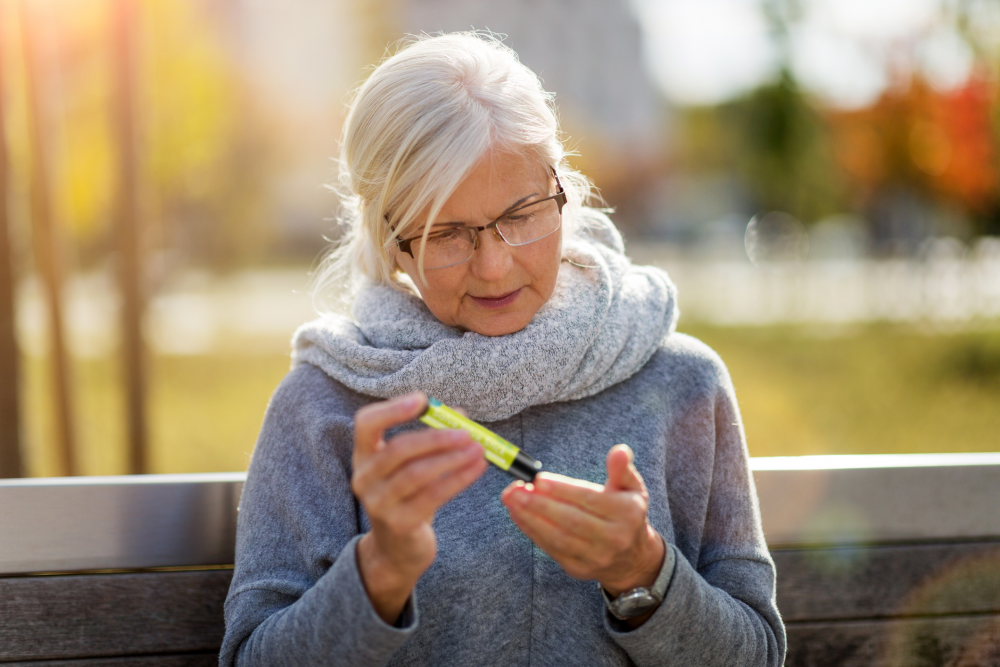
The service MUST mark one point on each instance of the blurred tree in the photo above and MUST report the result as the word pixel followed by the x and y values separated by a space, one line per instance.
pixel 778 139
pixel 10 423
pixel 941 146
pixel 933 153
pixel 777 143
pixel 786 158
pixel 82 148
pixel 208 147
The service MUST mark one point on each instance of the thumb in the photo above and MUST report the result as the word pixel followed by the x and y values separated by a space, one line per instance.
pixel 622 475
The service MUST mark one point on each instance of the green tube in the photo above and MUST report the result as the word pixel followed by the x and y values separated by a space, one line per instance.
pixel 499 452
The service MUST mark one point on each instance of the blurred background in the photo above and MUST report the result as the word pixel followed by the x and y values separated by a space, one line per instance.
pixel 819 177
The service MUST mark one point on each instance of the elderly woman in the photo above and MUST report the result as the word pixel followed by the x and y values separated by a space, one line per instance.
pixel 485 282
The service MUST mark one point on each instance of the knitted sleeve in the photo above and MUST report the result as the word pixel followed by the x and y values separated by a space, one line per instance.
pixel 296 596
pixel 720 607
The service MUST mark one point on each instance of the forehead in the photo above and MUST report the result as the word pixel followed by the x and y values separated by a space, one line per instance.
pixel 498 181
pixel 495 184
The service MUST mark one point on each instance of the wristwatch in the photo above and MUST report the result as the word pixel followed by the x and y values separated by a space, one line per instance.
pixel 642 600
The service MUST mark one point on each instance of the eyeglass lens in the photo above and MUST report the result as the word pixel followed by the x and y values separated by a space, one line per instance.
pixel 453 246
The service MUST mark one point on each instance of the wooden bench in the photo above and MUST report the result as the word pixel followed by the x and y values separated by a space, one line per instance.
pixel 886 560
pixel 136 569
pixel 882 560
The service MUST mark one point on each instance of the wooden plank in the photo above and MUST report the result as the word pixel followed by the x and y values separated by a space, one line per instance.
pixel 209 659
pixel 118 522
pixel 956 641
pixel 103 615
pixel 872 582
pixel 163 520
pixel 843 506
pixel 11 464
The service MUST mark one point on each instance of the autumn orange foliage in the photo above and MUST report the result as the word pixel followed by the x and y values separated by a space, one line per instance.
pixel 942 143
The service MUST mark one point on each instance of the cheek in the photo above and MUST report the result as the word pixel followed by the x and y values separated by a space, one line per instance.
pixel 441 293
pixel 543 265
pixel 434 284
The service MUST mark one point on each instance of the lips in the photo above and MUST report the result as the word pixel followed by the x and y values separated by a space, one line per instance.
pixel 496 302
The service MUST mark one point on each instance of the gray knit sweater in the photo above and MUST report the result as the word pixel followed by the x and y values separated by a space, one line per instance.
pixel 491 597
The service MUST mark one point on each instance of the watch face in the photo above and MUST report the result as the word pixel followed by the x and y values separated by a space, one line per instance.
pixel 635 602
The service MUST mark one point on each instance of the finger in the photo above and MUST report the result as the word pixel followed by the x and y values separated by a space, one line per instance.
pixel 509 489
pixel 586 495
pixel 400 451
pixel 422 506
pixel 548 536
pixel 570 518
pixel 462 411
pixel 552 480
pixel 371 421
pixel 577 566
pixel 622 473
pixel 407 447
pixel 411 479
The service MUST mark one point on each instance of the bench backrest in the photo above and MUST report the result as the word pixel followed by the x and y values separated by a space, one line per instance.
pixel 881 560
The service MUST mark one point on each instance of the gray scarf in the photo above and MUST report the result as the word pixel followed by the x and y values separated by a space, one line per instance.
pixel 604 320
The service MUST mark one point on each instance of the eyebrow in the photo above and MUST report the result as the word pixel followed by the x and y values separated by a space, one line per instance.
pixel 510 208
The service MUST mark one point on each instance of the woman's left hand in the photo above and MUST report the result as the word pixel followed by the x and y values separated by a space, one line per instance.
pixel 592 531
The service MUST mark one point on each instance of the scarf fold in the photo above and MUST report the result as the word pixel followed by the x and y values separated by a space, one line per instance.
pixel 603 322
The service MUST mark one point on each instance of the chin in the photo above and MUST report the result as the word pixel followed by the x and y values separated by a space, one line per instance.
pixel 499 325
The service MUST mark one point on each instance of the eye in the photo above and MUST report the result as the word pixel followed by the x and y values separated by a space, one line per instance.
pixel 521 216
pixel 445 235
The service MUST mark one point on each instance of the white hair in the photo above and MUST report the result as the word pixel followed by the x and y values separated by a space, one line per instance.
pixel 416 128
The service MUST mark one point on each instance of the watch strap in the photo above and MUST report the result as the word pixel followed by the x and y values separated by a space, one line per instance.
pixel 656 593
pixel 659 587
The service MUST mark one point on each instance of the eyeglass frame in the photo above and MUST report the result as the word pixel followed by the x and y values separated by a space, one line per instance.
pixel 560 197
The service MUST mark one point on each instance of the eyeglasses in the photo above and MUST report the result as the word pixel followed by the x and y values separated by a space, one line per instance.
pixel 455 244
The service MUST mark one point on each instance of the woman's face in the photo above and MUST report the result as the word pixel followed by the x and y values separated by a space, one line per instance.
pixel 501 287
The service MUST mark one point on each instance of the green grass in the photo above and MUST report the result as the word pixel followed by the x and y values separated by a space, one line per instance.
pixel 204 412
pixel 876 389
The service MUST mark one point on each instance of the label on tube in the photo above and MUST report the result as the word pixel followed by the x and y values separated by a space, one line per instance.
pixel 501 453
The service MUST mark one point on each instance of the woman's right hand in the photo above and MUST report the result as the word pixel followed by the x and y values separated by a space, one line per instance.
pixel 401 484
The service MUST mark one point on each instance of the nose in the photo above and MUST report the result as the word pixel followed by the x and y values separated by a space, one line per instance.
pixel 492 259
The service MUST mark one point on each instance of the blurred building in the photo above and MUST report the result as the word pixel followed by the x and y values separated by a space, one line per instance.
pixel 301 59
pixel 589 53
